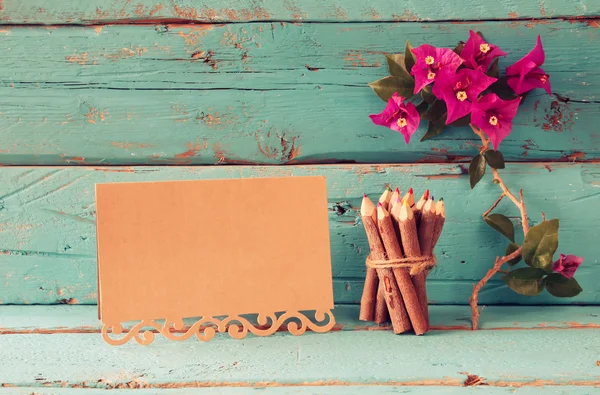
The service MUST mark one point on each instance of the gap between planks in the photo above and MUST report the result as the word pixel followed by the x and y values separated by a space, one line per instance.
pixel 592 21
pixel 320 383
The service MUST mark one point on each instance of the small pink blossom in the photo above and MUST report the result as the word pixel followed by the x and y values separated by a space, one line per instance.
pixel 526 74
pixel 398 116
pixel 430 61
pixel 460 90
pixel 494 116
pixel 479 54
pixel 567 265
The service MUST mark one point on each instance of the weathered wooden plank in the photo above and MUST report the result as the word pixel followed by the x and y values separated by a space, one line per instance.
pixel 263 93
pixel 500 358
pixel 84 319
pixel 47 233
pixel 101 11
pixel 313 390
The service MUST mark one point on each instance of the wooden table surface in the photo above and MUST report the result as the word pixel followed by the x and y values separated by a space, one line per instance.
pixel 121 90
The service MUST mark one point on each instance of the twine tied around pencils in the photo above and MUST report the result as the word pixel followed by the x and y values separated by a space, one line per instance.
pixel 416 265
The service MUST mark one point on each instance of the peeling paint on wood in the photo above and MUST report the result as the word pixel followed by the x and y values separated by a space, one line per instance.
pixel 243 87
pixel 350 358
pixel 47 233
pixel 73 11
pixel 379 389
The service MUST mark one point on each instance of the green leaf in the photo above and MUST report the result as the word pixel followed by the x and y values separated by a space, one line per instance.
pixel 540 244
pixel 459 47
pixel 437 112
pixel 494 158
pixel 464 121
pixel 526 281
pixel 422 107
pixel 409 57
pixel 434 129
pixel 494 70
pixel 501 224
pixel 502 89
pixel 512 247
pixel 476 170
pixel 385 87
pixel 397 68
pixel 427 95
pixel 562 287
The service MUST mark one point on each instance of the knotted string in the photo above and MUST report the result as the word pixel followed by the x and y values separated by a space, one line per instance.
pixel 417 264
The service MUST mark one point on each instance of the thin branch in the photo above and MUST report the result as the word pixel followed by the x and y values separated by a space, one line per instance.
pixel 520 203
pixel 475 295
pixel 493 206
pixel 523 209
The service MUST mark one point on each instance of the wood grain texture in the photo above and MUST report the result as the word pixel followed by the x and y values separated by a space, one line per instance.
pixel 267 93
pixel 313 390
pixel 443 358
pixel 47 232
pixel 86 12
pixel 84 319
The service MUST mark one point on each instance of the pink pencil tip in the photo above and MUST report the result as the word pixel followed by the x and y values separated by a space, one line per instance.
pixel 379 204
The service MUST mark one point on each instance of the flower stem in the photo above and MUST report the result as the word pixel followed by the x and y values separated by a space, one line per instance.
pixel 520 203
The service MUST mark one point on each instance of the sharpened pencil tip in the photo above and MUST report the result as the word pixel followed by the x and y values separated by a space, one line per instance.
pixel 410 191
pixel 365 195
pixel 397 190
pixel 432 198
pixel 379 204
pixel 441 199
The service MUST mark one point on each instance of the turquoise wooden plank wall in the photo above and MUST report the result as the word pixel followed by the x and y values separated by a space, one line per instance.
pixel 116 90
pixel 48 243
pixel 271 93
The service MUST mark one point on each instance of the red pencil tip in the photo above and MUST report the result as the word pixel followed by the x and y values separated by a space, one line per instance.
pixel 397 190
pixel 410 191
pixel 379 204
pixel 365 195
pixel 426 194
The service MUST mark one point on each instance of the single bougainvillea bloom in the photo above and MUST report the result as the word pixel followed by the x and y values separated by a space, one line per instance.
pixel 494 116
pixel 478 54
pixel 398 116
pixel 430 61
pixel 567 265
pixel 460 90
pixel 526 74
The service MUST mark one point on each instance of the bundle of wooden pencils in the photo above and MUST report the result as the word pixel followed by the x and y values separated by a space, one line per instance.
pixel 402 235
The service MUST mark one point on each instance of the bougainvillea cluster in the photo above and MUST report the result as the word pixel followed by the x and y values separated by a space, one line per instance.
pixel 463 86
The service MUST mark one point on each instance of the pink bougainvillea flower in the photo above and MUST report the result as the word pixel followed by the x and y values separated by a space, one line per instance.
pixel 478 54
pixel 430 61
pixel 398 116
pixel 526 74
pixel 567 265
pixel 460 90
pixel 494 116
